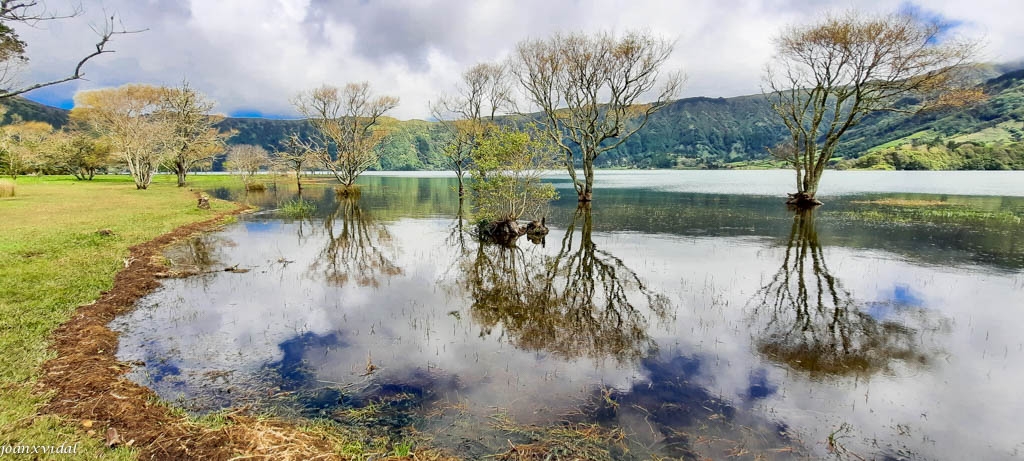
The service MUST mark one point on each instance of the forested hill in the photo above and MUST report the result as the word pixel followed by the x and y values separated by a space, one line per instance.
pixel 714 132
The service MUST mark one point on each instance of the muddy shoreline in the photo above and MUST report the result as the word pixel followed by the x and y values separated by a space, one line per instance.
pixel 89 386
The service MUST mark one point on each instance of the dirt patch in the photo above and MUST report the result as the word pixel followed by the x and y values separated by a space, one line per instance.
pixel 89 385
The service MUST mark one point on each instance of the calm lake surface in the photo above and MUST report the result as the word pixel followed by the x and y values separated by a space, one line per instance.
pixel 689 310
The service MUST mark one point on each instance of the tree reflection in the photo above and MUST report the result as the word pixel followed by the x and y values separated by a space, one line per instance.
pixel 457 233
pixel 197 255
pixel 580 302
pixel 359 249
pixel 811 323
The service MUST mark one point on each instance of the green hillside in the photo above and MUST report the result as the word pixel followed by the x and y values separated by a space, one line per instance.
pixel 722 132
pixel 986 136
pixel 33 112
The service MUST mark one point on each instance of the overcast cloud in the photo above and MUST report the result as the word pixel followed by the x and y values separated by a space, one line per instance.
pixel 252 56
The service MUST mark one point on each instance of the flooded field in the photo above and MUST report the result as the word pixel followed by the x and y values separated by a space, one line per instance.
pixel 659 322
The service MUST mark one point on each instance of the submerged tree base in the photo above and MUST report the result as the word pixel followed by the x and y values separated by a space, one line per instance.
pixel 507 231
pixel 347 190
pixel 802 201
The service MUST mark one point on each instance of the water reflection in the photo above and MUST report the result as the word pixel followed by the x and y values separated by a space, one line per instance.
pixel 199 255
pixel 683 419
pixel 905 333
pixel 579 302
pixel 359 248
pixel 810 322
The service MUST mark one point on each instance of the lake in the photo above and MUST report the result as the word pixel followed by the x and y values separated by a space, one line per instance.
pixel 684 314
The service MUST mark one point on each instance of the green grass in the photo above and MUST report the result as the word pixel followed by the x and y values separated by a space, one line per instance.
pixel 1000 132
pixel 53 261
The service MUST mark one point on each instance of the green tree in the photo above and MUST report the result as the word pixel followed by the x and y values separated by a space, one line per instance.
pixel 482 95
pixel 506 184
pixel 79 153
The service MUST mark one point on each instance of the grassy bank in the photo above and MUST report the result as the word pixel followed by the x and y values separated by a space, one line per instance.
pixel 53 259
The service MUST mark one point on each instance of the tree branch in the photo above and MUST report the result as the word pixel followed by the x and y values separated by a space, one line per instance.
pixel 101 48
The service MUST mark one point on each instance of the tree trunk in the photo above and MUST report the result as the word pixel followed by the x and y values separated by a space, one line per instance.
pixel 181 177
pixel 807 187
pixel 586 194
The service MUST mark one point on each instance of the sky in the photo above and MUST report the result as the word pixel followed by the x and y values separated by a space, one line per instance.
pixel 253 56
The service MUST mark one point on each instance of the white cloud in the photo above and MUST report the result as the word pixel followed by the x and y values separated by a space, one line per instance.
pixel 254 55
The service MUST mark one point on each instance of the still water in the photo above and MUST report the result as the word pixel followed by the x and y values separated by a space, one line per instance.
pixel 695 323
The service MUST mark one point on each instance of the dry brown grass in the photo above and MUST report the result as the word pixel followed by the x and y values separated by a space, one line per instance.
pixel 6 188
pixel 560 442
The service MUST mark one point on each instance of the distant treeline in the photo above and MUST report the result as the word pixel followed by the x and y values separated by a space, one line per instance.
pixel 713 132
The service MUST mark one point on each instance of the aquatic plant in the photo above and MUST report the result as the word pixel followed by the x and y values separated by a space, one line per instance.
pixel 298 208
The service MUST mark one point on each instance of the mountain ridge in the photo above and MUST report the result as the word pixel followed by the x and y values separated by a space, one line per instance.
pixel 709 132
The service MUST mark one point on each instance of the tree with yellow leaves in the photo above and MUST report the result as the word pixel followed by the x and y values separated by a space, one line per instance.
pixel 20 146
pixel 78 152
pixel 129 117
pixel 196 139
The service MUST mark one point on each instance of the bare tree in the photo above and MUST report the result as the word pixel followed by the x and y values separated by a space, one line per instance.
pixel 129 117
pixel 12 48
pixel 346 119
pixel 295 157
pixel 827 76
pixel 482 95
pixel 196 139
pixel 247 160
pixel 590 89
